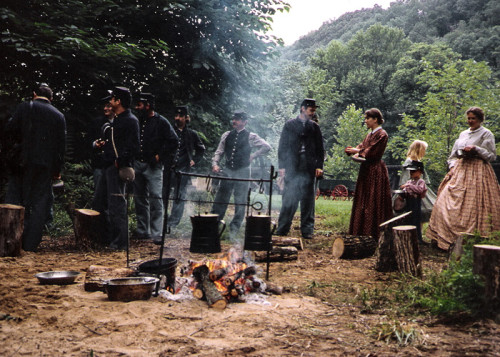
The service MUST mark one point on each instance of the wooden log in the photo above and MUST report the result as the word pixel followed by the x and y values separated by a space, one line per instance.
pixel 487 264
pixel 278 254
pixel 96 275
pixel 213 296
pixel 11 230
pixel 280 241
pixel 217 274
pixel 353 247
pixel 273 288
pixel 406 250
pixel 88 228
pixel 384 254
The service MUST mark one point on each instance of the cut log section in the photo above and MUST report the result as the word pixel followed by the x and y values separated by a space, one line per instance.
pixel 11 230
pixel 406 250
pixel 280 241
pixel 97 274
pixel 353 247
pixel 487 264
pixel 213 296
pixel 278 254
pixel 274 289
pixel 88 228
pixel 385 257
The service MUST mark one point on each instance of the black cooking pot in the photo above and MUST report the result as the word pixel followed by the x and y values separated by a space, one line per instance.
pixel 167 268
pixel 129 289
pixel 206 236
pixel 258 233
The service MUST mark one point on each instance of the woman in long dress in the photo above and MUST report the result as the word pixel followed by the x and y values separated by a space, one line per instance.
pixel 468 198
pixel 416 152
pixel 372 198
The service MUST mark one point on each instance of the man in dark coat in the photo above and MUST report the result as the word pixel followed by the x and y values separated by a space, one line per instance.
pixel 41 131
pixel 94 133
pixel 120 145
pixel 189 154
pixel 236 147
pixel 158 142
pixel 300 155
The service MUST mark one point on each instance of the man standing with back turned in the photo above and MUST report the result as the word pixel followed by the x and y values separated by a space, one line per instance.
pixel 300 157
pixel 41 130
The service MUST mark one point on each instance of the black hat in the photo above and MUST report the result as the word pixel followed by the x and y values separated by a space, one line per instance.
pixel 182 110
pixel 308 102
pixel 415 165
pixel 105 99
pixel 240 115
pixel 123 94
pixel 146 98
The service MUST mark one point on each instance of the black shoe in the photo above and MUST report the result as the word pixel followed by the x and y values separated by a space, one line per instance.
pixel 114 246
pixel 307 235
pixel 157 240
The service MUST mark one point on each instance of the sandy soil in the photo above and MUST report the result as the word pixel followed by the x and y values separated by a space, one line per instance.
pixel 50 320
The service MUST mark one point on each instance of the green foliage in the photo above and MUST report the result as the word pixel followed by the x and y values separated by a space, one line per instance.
pixel 395 331
pixel 350 132
pixel 335 214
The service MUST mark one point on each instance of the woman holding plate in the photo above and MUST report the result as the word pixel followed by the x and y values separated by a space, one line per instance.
pixel 468 198
pixel 372 200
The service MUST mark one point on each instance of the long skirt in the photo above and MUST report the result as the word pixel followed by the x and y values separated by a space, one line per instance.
pixel 372 200
pixel 468 200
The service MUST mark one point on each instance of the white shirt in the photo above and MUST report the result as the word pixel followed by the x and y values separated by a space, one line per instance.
pixel 481 138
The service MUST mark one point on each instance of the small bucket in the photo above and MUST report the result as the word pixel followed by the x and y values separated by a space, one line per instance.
pixel 167 268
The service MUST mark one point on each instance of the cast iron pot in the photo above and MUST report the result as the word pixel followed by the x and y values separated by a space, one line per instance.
pixel 258 233
pixel 167 268
pixel 129 289
pixel 205 237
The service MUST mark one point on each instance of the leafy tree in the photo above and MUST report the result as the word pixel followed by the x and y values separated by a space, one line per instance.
pixel 351 132
pixel 452 89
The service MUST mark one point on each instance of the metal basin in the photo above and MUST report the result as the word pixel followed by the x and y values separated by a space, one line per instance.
pixel 129 289
pixel 57 277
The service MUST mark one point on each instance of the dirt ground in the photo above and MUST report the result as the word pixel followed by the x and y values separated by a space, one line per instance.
pixel 51 320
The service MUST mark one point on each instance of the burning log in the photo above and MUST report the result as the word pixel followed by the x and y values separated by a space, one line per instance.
pixel 11 230
pixel 278 254
pixel 213 296
pixel 279 241
pixel 97 274
pixel 217 274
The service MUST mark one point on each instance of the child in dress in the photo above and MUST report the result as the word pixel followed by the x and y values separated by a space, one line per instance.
pixel 415 189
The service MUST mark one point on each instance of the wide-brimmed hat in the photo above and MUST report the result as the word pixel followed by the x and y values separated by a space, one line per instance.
pixel 415 165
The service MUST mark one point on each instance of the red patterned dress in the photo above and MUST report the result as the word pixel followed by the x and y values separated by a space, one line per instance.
pixel 372 199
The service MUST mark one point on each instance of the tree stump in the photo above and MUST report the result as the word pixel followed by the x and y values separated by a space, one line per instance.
pixel 385 257
pixel 11 230
pixel 487 264
pixel 88 229
pixel 354 247
pixel 406 250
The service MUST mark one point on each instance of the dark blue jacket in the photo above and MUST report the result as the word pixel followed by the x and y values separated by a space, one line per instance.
pixel 42 130
pixel 125 130
pixel 295 134
pixel 157 137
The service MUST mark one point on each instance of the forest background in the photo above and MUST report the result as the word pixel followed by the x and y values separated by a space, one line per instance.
pixel 422 62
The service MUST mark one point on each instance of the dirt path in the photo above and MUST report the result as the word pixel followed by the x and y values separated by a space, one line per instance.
pixel 321 315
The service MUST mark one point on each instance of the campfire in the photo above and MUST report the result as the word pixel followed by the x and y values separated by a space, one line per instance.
pixel 224 280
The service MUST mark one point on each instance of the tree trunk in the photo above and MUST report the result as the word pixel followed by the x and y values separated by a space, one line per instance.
pixel 11 230
pixel 353 247
pixel 88 229
pixel 213 296
pixel 279 241
pixel 385 257
pixel 278 254
pixel 97 274
pixel 487 264
pixel 406 250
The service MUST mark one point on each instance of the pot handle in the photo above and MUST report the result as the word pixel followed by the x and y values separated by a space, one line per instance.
pixel 105 284
pixel 223 227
